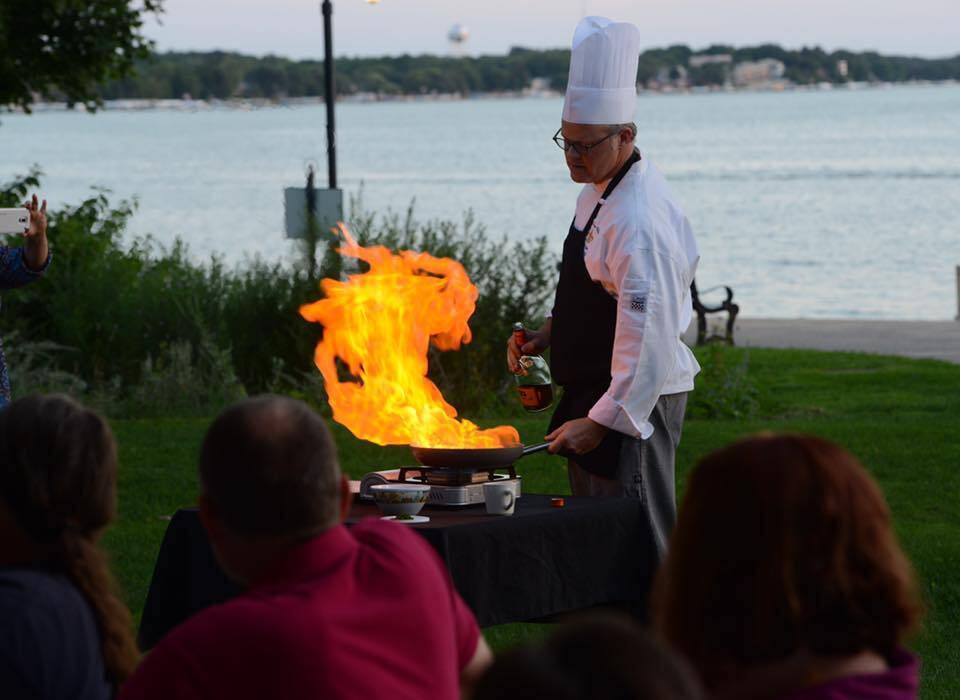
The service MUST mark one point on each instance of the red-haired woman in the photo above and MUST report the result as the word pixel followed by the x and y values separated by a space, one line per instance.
pixel 64 633
pixel 784 578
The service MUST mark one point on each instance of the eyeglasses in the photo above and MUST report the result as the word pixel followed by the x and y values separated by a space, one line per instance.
pixel 579 148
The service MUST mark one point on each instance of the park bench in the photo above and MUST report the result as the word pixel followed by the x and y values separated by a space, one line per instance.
pixel 702 310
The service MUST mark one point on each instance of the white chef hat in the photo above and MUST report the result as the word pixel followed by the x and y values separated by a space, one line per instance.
pixel 602 86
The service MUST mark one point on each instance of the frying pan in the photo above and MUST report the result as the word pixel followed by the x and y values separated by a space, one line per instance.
pixel 473 457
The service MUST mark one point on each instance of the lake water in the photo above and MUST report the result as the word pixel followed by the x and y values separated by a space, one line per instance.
pixel 840 203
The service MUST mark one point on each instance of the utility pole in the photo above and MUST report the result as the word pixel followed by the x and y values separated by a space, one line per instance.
pixel 329 89
pixel 309 210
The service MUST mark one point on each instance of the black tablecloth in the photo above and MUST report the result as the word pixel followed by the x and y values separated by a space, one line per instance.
pixel 539 562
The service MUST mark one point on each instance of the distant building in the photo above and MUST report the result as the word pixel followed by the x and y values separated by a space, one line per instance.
pixel 539 87
pixel 760 73
pixel 707 59
pixel 843 68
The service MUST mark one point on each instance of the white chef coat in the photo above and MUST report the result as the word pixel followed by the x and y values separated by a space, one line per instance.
pixel 642 250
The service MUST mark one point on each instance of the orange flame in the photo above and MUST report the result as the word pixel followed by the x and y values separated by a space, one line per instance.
pixel 380 324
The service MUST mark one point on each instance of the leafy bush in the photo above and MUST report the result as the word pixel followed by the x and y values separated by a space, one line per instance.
pixel 136 314
pixel 33 367
pixel 724 388
pixel 178 381
pixel 144 329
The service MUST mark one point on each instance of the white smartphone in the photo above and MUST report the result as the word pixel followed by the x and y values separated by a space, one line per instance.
pixel 14 220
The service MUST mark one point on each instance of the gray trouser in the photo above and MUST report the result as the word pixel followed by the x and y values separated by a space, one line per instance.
pixel 645 471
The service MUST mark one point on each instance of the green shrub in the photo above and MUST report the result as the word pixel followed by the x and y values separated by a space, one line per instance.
pixel 33 367
pixel 133 312
pixel 177 381
pixel 143 329
pixel 724 387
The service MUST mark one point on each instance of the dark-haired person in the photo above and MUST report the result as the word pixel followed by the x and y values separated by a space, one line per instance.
pixel 22 265
pixel 328 612
pixel 64 633
pixel 601 657
pixel 784 578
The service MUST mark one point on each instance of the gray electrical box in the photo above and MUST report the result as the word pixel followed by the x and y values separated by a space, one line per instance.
pixel 329 210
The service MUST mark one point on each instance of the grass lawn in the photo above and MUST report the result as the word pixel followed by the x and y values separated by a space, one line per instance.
pixel 900 417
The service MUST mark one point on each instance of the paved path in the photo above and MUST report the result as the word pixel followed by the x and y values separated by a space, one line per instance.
pixel 921 339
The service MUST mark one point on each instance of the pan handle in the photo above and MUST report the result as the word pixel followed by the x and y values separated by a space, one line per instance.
pixel 535 448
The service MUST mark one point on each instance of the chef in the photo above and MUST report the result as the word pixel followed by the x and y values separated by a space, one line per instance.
pixel 623 297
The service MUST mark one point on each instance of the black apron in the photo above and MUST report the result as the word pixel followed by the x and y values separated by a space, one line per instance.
pixel 581 341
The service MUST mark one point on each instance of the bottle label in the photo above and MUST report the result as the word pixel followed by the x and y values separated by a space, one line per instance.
pixel 536 397
pixel 534 370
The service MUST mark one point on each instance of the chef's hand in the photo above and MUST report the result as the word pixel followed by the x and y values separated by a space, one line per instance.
pixel 579 436
pixel 537 342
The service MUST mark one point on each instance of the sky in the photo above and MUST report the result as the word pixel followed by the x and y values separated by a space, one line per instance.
pixel 294 28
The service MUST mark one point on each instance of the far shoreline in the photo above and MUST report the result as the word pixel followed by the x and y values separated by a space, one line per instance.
pixel 248 104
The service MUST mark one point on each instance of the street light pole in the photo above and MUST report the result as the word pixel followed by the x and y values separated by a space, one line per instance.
pixel 329 89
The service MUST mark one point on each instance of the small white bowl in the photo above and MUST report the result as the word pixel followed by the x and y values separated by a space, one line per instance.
pixel 400 499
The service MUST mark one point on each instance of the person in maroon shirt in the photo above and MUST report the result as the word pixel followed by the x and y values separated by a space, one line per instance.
pixel 328 612
pixel 784 579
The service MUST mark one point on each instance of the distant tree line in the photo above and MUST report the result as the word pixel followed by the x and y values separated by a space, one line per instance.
pixel 221 75
pixel 807 65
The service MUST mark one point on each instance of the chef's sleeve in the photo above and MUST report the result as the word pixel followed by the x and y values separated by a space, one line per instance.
pixel 650 291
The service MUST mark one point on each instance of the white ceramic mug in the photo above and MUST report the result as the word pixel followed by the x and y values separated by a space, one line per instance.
pixel 500 497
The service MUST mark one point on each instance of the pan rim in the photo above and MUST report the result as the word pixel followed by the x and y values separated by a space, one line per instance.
pixel 463 449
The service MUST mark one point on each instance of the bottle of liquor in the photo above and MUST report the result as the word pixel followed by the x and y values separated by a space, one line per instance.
pixel 532 376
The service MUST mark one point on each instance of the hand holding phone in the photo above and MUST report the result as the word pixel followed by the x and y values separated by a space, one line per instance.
pixel 14 220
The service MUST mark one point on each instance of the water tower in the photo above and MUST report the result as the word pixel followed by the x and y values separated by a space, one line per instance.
pixel 457 36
